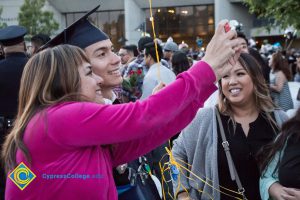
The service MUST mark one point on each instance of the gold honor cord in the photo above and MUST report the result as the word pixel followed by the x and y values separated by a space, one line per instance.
pixel 181 167
pixel 155 41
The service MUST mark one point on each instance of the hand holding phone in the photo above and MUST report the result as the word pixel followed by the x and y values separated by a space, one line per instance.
pixel 231 26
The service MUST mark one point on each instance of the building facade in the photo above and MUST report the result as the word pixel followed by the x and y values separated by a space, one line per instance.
pixel 127 20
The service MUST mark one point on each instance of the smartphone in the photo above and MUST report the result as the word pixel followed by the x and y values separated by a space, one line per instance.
pixel 227 27
pixel 231 25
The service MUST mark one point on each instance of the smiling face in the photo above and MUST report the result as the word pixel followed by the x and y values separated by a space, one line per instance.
pixel 90 83
pixel 105 63
pixel 237 86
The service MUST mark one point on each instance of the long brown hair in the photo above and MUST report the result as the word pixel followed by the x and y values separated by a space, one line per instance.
pixel 281 64
pixel 263 101
pixel 49 77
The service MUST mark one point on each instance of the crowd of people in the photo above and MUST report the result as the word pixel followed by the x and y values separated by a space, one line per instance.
pixel 74 105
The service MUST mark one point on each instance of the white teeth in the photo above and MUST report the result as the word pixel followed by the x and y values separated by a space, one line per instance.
pixel 235 91
pixel 115 72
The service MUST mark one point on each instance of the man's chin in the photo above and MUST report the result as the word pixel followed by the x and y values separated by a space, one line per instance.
pixel 118 82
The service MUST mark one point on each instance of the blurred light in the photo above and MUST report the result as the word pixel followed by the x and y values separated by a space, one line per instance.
pixel 171 11
pixel 158 10
pixel 210 20
pixel 184 12
pixel 151 19
pixel 202 49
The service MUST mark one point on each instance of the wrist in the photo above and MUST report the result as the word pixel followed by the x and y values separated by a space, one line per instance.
pixel 209 62
pixel 213 70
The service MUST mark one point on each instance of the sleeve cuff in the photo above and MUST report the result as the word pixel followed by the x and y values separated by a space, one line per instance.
pixel 202 68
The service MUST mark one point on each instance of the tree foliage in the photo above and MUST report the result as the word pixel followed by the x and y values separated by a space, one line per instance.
pixel 35 19
pixel 284 12
pixel 2 24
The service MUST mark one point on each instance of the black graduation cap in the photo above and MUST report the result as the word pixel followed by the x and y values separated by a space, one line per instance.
pixel 12 35
pixel 81 33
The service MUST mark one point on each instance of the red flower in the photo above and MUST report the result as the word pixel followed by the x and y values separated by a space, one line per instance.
pixel 131 72
pixel 139 71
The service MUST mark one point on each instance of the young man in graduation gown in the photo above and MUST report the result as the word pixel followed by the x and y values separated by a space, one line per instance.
pixel 98 48
pixel 106 64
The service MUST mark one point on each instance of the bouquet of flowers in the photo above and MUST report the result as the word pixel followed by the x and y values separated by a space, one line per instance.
pixel 132 84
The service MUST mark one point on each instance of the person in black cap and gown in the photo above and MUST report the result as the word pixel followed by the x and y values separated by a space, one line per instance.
pixel 106 64
pixel 99 50
pixel 11 68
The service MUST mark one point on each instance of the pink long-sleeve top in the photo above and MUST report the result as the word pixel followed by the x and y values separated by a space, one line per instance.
pixel 75 139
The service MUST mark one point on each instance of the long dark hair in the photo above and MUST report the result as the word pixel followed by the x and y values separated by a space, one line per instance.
pixel 290 128
pixel 281 64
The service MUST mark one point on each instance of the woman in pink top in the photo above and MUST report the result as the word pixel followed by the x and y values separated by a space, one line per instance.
pixel 71 144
